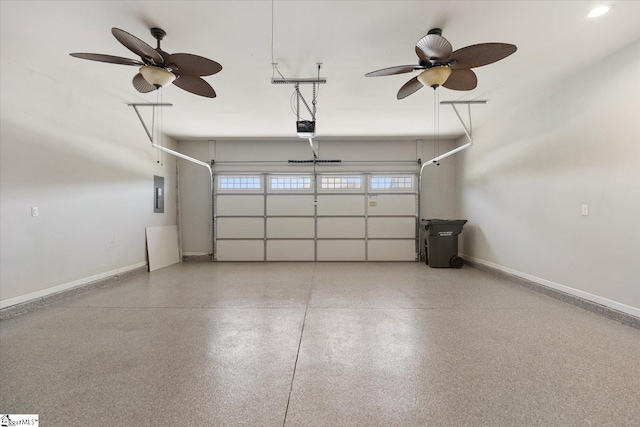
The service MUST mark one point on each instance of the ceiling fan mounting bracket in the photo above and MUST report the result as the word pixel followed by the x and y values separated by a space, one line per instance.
pixel 135 106
pixel 158 33
pixel 436 31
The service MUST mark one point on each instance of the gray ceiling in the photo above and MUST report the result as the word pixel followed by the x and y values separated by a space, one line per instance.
pixel 350 38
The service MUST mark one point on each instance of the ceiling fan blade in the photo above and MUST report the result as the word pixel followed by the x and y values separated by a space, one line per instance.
pixel 433 46
pixel 193 65
pixel 409 87
pixel 137 46
pixel 195 84
pixel 142 85
pixel 107 58
pixel 400 69
pixel 478 55
pixel 461 80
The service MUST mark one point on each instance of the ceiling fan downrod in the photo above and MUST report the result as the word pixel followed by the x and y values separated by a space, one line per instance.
pixel 158 34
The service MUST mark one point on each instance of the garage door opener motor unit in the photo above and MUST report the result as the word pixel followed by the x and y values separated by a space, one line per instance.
pixel 306 128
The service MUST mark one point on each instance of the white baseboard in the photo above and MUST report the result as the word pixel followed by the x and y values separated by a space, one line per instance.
pixel 63 287
pixel 195 253
pixel 562 288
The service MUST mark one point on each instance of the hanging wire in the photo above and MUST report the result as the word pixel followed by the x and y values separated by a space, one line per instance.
pixel 296 92
pixel 434 123
pixel 161 127
pixel 438 122
pixel 274 65
pixel 272 57
pixel 154 128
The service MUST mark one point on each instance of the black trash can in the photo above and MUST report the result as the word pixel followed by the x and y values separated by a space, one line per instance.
pixel 442 242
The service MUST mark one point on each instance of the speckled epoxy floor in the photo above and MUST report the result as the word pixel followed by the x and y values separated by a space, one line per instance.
pixel 319 344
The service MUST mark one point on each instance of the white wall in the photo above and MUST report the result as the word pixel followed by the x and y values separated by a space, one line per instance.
pixel 522 185
pixel 439 182
pixel 195 199
pixel 86 163
pixel 438 196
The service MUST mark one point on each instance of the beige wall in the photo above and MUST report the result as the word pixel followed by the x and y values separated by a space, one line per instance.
pixel 522 185
pixel 84 160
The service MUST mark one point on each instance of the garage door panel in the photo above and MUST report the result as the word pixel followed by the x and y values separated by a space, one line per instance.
pixel 338 223
pixel 341 228
pixel 240 228
pixel 290 228
pixel 348 204
pixel 393 204
pixel 289 205
pixel 341 250
pixel 240 250
pixel 290 250
pixel 392 250
pixel 392 227
pixel 234 205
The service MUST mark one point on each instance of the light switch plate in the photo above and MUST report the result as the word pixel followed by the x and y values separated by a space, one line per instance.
pixel 34 211
pixel 585 210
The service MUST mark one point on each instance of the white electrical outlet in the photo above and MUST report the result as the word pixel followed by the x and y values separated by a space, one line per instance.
pixel 34 211
pixel 585 210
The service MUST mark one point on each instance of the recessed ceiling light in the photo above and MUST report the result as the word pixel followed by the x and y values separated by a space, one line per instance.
pixel 598 11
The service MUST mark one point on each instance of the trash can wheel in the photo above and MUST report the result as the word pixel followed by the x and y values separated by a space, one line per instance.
pixel 456 262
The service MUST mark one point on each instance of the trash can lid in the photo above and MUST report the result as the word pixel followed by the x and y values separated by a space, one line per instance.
pixel 444 221
pixel 426 223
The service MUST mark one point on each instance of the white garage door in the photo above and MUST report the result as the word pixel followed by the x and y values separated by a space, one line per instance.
pixel 326 217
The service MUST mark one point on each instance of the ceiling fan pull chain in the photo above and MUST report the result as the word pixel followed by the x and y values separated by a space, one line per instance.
pixel 161 126
pixel 434 125
pixel 154 128
pixel 438 122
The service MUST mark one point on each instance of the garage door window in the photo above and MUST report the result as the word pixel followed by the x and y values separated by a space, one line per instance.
pixel 340 182
pixel 239 182
pixel 289 182
pixel 392 182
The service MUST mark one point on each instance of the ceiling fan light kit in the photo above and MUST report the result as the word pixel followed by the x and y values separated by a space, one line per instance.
pixel 156 76
pixel 435 76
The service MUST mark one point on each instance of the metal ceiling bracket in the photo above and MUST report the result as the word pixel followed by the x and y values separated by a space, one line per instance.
pixel 148 104
pixel 467 130
pixel 159 147
pixel 313 80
